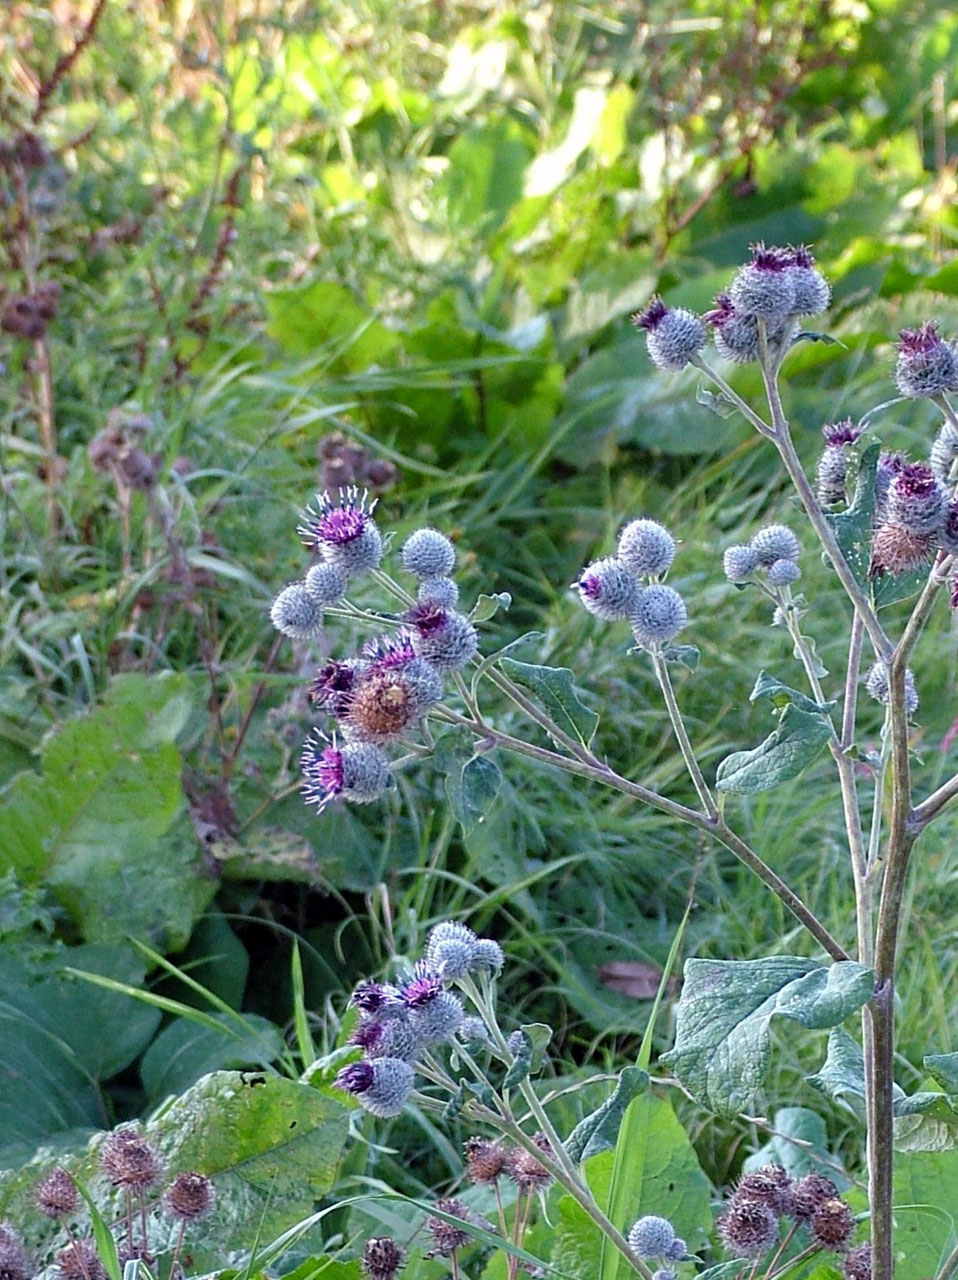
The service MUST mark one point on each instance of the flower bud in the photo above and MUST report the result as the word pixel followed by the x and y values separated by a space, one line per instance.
pixel 664 1273
pixel 659 616
pixel 296 613
pixel 357 771
pixel 926 363
pixel 812 293
pixel 739 563
pixel 443 637
pixel 646 548
pixel 380 1085
pixel 326 583
pixel 678 1251
pixel 775 542
pixel 944 453
pixel 651 1236
pixel 450 949
pixel 748 1228
pixel 783 572
pixel 832 471
pixel 916 500
pixel 344 533
pixel 889 465
pixel 474 1030
pixel 487 957
pixel 735 335
pixel 876 684
pixel 441 591
pixel 948 533
pixel 427 553
pixel 765 287
pixel 673 335
pixel 608 589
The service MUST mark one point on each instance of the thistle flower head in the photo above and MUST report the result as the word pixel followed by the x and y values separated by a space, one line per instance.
pixel 446 1236
pixel 388 1038
pixel 735 335
pixel 443 637
pixel 333 684
pixel 380 1085
pixel 765 287
pixel 190 1197
pixel 14 1259
pixel 646 548
pixel 652 1236
pixel 129 1161
pixel 775 542
pixel 926 364
pixel 916 500
pixel 876 684
pixel 812 292
pixel 783 572
pixel 948 533
pixel 382 1258
pixel 608 589
pixel 673 335
pixel 748 1228
pixel 80 1261
pixel 381 705
pixel 422 989
pixel 441 591
pixel 833 1225
pixel 474 1030
pixel 839 434
pixel 525 1170
pixel 357 771
pixel 739 563
pixel 809 1193
pixel 487 956
pixel 770 1186
pixel 858 1263
pixel 944 453
pixel 450 949
pixel 897 550
pixel 57 1195
pixel 427 553
pixel 485 1159
pixel 377 999
pixel 436 1020
pixel 659 616
pixel 343 531
pixel 296 613
pixel 326 583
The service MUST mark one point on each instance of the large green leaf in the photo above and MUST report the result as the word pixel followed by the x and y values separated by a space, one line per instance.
pixel 472 779
pixel 100 826
pixel 185 1050
pixel 723 1019
pixel 796 742
pixel 554 688
pixel 598 1131
pixel 486 169
pixel 799 1143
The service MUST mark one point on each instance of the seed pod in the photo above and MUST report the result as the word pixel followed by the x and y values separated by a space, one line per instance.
pixel 190 1197
pixel 748 1228
pixel 14 1259
pixel 485 1159
pixel 129 1161
pixel 525 1170
pixel 770 1186
pixel 809 1194
pixel 57 1195
pixel 382 1258
pixel 446 1236
pixel 833 1225
pixel 858 1263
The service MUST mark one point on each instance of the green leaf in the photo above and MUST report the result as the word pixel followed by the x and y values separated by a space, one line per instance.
pixel 724 1271
pixel 554 688
pixel 520 1064
pixel 686 655
pixel 944 1068
pixel 598 1131
pixel 800 1144
pixel 487 165
pixel 926 1193
pixel 724 1015
pixel 842 1075
pixel 487 607
pixel 100 825
pixel 784 754
pixel 185 1050
pixel 781 695
pixel 472 780
pixel 105 1242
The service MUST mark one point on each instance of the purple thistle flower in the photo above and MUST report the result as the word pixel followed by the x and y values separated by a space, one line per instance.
pixel 344 532
pixel 764 288
pixel 916 499
pixel 391 653
pixel 357 771
pixel 381 1085
pixel 926 363
pixel 421 990
pixel 838 434
pixel 443 637
pixel 673 334
pixel 652 316
pixel 332 685
pixel 376 998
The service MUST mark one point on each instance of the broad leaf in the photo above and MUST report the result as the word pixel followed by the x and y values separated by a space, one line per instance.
pixel 558 696
pixel 796 742
pixel 723 1019
pixel 185 1051
pixel 944 1068
pixel 799 1143
pixel 598 1132
pixel 487 607
pixel 781 695
pixel 472 779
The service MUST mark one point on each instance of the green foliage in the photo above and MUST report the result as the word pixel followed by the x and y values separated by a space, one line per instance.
pixel 557 694
pixel 784 754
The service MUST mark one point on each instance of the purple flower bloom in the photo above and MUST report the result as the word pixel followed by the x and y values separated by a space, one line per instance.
pixel 344 532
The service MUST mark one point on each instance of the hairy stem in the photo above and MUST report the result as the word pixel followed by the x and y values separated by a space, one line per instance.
pixel 685 746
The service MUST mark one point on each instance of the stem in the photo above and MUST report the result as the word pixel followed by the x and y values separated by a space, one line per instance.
pixel 685 746
pixel 949 1266
pixel 176 1251
pixel 850 705
pixel 874 834
pixel 77 1251
pixel 789 1234
pixel 744 408
pixel 880 1104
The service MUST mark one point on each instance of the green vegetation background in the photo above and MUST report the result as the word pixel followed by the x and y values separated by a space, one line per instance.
pixel 423 226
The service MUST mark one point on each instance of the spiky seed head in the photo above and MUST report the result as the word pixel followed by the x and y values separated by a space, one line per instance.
pixel 381 706
pixel 739 563
pixel 673 335
pixel 608 589
pixel 876 685
pixel 190 1197
pixel 916 500
pixel 764 288
pixel 812 292
pixel 441 591
pixel 775 542
pixel 660 614
pixel 833 1225
pixel 525 1170
pixel 446 1236
pixel 770 1185
pixel 80 1261
pixel 473 1030
pixel 357 771
pixel 485 1159
pixel 57 1195
pixel 129 1161
pixel 391 1038
pixel 809 1193
pixel 652 1236
pixel 343 531
pixel 380 1085
pixel 427 553
pixel 437 1020
pixel 944 453
pixel 948 533
pixel 333 684
pixel 735 335
pixel 897 550
pixel 378 999
pixel 646 547
pixel 487 957
pixel 382 1258
pixel 748 1228
pixel 443 637
pixel 858 1263
pixel 14 1259
pixel 296 613
pixel 926 363
pixel 326 583
pixel 783 572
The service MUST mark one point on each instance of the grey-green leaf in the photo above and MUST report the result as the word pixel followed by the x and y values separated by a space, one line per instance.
pixel 784 754
pixel 554 689
pixel 599 1131
pixel 944 1068
pixel 781 695
pixel 799 1143
pixel 487 607
pixel 723 1019
pixel 185 1050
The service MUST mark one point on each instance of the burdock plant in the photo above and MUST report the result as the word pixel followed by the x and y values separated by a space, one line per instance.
pixel 887 525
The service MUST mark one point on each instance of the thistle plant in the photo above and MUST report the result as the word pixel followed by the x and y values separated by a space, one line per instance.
pixel 887 525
